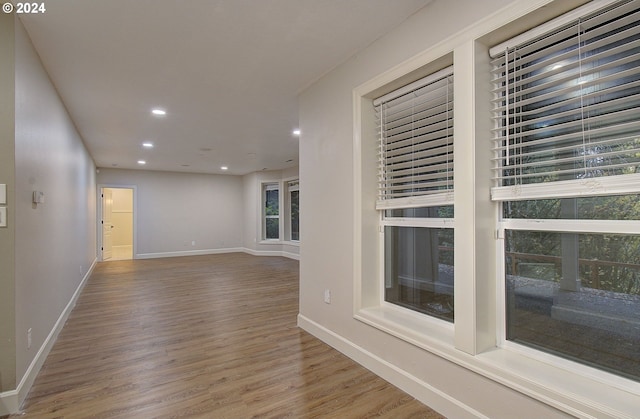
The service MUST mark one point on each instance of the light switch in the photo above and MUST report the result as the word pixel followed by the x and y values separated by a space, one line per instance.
pixel 3 194
pixel 38 197
pixel 3 216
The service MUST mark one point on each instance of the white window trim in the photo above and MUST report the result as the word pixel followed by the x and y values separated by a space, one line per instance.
pixel 576 389
pixel 283 216
pixel 288 217
pixel 263 216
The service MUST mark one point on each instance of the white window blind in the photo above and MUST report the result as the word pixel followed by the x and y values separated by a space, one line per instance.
pixel 415 127
pixel 567 107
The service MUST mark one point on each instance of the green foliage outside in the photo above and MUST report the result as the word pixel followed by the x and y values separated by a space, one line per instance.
pixel 606 261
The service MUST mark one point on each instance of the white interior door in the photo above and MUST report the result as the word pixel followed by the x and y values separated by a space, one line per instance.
pixel 107 224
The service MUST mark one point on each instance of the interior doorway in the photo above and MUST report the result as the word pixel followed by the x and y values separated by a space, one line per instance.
pixel 117 223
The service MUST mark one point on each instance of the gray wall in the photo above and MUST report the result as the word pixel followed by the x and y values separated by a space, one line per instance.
pixel 175 209
pixel 55 242
pixel 7 235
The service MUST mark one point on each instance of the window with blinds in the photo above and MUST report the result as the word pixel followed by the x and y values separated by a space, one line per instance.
pixel 415 127
pixel 566 105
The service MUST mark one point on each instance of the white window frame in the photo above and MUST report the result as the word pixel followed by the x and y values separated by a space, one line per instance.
pixel 265 186
pixel 475 342
pixel 428 88
pixel 590 187
pixel 292 185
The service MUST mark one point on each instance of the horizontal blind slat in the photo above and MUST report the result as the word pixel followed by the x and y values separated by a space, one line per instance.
pixel 415 154
pixel 573 104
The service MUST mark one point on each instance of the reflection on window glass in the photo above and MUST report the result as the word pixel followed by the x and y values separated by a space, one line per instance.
pixel 424 212
pixel 419 269
pixel 624 207
pixel 576 295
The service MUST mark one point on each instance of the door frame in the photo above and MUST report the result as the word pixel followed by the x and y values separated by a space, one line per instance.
pixel 99 189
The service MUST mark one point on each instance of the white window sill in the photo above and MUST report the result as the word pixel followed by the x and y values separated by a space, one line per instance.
pixel 571 387
pixel 418 329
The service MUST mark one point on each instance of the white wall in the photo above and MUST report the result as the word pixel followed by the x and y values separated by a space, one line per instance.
pixel 55 243
pixel 173 210
pixel 327 220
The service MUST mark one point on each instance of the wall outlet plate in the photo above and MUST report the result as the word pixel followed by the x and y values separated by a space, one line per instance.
pixel 3 216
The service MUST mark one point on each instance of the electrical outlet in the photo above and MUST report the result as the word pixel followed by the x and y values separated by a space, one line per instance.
pixel 29 338
pixel 327 296
pixel 193 243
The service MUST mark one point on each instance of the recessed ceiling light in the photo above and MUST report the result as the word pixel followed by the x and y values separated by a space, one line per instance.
pixel 142 162
pixel 147 145
pixel 224 168
pixel 296 132
pixel 159 112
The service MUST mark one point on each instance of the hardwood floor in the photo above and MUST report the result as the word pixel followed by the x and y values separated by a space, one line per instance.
pixel 202 337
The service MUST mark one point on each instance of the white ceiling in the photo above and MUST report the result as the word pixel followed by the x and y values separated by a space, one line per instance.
pixel 227 71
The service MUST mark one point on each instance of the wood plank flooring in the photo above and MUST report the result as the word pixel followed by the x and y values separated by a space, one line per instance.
pixel 202 337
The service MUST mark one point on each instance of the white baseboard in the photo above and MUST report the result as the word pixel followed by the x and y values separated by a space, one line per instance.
pixel 218 251
pixel 188 253
pixel 10 401
pixel 417 388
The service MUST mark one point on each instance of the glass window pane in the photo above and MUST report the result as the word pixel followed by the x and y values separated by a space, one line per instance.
pixel 623 207
pixel 576 295
pixel 271 205
pixel 295 221
pixel 272 228
pixel 419 269
pixel 424 212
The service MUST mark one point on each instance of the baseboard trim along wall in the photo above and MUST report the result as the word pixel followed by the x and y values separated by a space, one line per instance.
pixel 10 401
pixel 218 251
pixel 187 253
pixel 408 383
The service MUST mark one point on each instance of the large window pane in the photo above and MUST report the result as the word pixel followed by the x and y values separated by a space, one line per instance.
pixel 419 269
pixel 295 220
pixel 576 295
pixel 271 211
pixel 445 211
pixel 623 207
pixel 272 225
pixel 271 205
